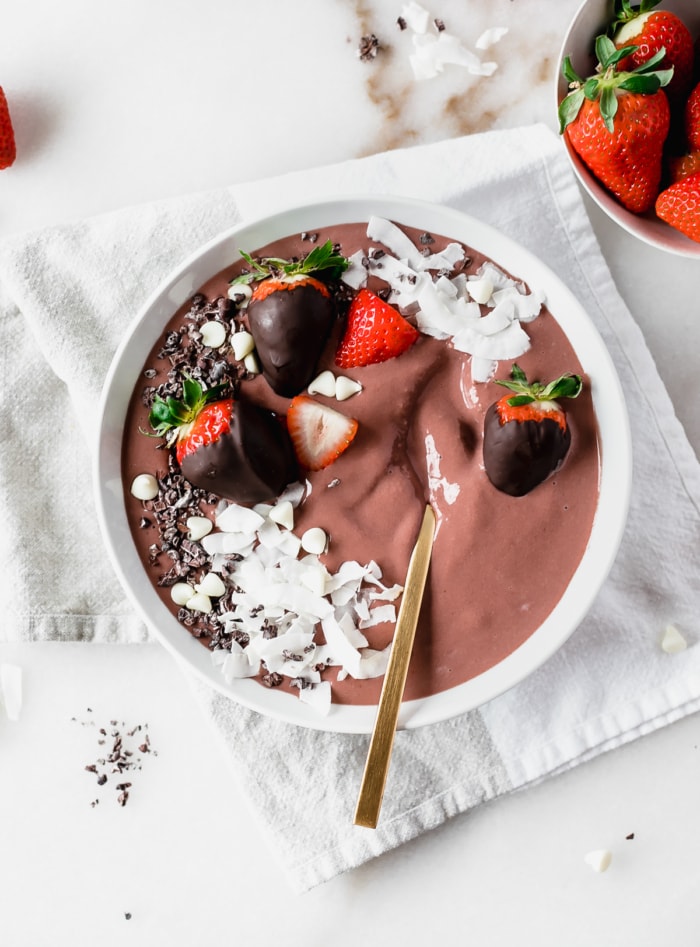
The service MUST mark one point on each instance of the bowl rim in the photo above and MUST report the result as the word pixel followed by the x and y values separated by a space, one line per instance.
pixel 614 438
pixel 645 227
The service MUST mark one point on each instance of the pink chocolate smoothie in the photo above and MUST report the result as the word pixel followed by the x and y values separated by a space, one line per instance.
pixel 500 563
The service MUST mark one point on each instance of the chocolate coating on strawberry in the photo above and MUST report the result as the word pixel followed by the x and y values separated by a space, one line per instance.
pixel 239 451
pixel 527 436
pixel 291 313
pixel 251 462
pixel 290 324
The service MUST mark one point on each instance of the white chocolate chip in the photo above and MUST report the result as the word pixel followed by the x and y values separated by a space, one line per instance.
pixel 181 593
pixel 346 387
pixel 144 487
pixel 599 859
pixel 251 364
pixel 211 585
pixel 323 384
pixel 198 527
pixel 213 334
pixel 199 602
pixel 282 513
pixel 240 293
pixel 242 344
pixel 480 290
pixel 314 541
pixel 673 641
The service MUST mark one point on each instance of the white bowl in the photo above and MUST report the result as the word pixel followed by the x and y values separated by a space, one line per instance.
pixel 590 21
pixel 607 398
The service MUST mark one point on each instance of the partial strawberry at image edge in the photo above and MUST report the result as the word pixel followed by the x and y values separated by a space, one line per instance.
pixel 8 148
pixel 679 206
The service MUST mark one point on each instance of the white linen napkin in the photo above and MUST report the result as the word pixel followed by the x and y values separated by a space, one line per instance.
pixel 66 295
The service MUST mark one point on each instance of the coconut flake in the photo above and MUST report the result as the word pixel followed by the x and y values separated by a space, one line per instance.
pixel 491 36
pixel 11 690
pixel 391 236
pixel 318 697
pixel 238 519
pixel 355 276
pixel 416 17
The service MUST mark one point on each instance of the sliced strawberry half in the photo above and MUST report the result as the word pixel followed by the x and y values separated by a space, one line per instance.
pixel 319 434
pixel 375 332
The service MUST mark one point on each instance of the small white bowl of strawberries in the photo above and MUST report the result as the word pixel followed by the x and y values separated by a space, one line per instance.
pixel 629 112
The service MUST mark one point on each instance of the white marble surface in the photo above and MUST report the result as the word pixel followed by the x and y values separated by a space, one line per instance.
pixel 143 101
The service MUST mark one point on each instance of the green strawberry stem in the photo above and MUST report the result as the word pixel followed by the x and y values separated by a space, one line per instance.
pixel 566 386
pixel 322 259
pixel 168 415
pixel 605 85
pixel 624 11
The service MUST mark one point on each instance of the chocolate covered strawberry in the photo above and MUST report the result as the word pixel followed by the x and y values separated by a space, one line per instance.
pixel 320 434
pixel 374 332
pixel 679 206
pixel 290 314
pixel 226 446
pixel 526 434
pixel 617 122
pixel 651 31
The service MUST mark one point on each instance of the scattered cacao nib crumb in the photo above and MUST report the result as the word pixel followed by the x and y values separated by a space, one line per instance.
pixel 127 915
pixel 439 24
pixel 426 239
pixel 368 48
pixel 311 237
pixel 120 758
pixel 273 679
pixel 401 23
pixel 630 836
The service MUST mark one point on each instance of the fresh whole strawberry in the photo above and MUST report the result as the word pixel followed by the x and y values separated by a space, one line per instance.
pixel 234 449
pixel 691 117
pixel 651 31
pixel 375 332
pixel 290 314
pixel 617 122
pixel 320 434
pixel 679 206
pixel 526 435
pixel 680 166
pixel 8 151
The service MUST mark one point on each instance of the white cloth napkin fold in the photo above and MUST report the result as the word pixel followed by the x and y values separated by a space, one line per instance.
pixel 68 293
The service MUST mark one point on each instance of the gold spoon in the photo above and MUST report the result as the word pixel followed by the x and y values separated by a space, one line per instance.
pixel 379 755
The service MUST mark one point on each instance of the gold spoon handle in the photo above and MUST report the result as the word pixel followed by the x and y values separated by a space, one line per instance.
pixel 379 755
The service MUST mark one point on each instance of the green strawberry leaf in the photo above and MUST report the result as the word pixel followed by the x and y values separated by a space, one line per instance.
pixel 322 259
pixel 566 386
pixel 569 108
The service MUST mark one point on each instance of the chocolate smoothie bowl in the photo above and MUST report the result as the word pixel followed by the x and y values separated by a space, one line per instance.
pixel 282 410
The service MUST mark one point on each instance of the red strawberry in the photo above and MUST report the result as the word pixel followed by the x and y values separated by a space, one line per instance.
pixel 291 313
pixel 234 449
pixel 8 151
pixel 679 206
pixel 375 332
pixel 691 117
pixel 681 166
pixel 617 122
pixel 526 435
pixel 650 31
pixel 319 434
